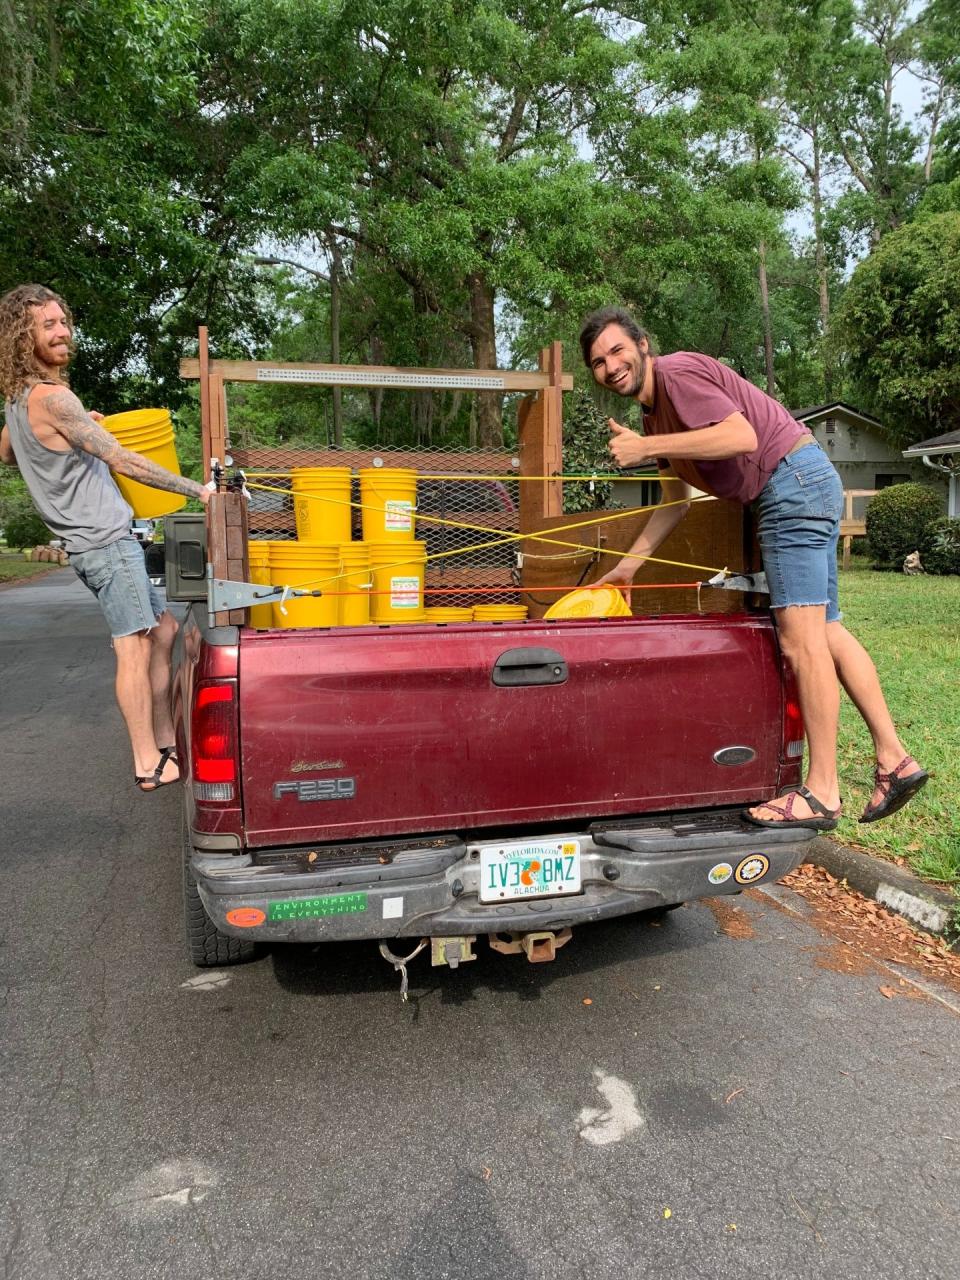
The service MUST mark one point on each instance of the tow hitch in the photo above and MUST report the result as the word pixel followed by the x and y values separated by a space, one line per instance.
pixel 537 947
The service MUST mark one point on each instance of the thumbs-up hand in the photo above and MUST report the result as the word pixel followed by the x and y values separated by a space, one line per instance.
pixel 628 448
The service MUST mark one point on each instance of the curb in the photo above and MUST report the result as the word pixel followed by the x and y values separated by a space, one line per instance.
pixel 923 904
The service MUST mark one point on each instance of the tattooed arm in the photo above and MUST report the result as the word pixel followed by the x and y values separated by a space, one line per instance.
pixel 68 416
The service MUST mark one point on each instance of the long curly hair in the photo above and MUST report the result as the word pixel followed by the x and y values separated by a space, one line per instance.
pixel 18 362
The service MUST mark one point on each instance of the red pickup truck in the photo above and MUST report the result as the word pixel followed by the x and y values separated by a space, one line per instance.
pixel 443 782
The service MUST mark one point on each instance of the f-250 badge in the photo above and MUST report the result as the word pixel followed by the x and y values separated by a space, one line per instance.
pixel 317 789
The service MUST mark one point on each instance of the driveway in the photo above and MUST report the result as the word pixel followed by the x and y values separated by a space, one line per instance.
pixel 714 1097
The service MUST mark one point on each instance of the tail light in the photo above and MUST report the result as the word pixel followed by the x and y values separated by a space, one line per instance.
pixel 792 727
pixel 214 741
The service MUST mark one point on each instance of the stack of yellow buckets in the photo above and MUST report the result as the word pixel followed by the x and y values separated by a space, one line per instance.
pixel 378 579
pixel 148 432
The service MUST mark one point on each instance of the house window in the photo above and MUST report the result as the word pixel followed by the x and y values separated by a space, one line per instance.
pixel 830 426
pixel 884 479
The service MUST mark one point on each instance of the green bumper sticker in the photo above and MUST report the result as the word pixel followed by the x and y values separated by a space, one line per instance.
pixel 338 904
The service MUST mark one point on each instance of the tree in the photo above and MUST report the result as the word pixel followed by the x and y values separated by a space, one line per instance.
pixel 898 326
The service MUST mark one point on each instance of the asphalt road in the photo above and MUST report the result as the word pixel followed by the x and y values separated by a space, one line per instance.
pixel 707 1098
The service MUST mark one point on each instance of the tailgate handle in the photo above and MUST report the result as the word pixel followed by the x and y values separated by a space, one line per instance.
pixel 529 666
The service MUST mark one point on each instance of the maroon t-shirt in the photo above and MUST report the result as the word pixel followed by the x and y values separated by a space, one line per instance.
pixel 693 391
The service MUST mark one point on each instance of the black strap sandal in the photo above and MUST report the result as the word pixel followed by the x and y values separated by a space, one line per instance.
pixel 826 822
pixel 154 779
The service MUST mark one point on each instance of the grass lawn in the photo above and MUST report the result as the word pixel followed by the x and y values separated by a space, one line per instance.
pixel 13 567
pixel 911 628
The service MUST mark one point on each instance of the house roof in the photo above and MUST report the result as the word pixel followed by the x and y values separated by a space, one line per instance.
pixel 949 443
pixel 827 410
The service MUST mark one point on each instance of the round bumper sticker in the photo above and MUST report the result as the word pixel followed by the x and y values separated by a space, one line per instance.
pixel 720 873
pixel 245 917
pixel 752 868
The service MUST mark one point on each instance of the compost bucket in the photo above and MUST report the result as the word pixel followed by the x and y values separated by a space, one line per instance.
pixel 353 609
pixel 258 554
pixel 321 503
pixel 313 566
pixel 388 499
pixel 148 432
pixel 397 571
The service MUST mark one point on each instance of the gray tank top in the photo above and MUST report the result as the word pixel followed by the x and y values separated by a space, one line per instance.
pixel 73 491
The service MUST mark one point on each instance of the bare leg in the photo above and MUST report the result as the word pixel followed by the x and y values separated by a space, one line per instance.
pixel 135 700
pixel 858 676
pixel 803 638
pixel 161 643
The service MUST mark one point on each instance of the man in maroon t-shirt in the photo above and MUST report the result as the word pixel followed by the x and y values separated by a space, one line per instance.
pixel 709 429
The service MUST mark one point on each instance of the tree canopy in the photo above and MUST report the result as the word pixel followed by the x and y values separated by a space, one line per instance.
pixel 461 183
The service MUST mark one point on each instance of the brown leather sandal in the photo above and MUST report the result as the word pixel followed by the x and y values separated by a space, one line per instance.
pixel 826 822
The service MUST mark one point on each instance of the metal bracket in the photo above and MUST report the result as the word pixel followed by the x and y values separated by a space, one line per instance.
pixel 223 594
pixel 749 582
pixel 452 951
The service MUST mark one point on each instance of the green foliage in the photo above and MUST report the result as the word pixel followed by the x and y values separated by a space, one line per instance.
pixel 908 625
pixel 940 546
pixel 21 525
pixel 896 519
pixel 585 436
pixel 899 327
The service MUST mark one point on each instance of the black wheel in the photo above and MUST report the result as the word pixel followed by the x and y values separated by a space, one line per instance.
pixel 208 947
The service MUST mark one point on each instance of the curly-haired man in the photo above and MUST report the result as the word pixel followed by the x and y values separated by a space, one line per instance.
pixel 709 429
pixel 65 457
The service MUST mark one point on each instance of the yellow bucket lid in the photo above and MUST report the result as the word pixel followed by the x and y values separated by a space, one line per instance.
pixel 590 602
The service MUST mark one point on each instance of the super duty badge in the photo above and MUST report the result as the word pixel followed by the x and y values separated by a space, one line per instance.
pixel 317 789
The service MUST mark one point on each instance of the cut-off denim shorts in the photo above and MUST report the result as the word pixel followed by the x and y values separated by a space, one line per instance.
pixel 798 526
pixel 117 576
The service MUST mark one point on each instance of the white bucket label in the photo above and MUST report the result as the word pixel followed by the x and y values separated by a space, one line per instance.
pixel 405 593
pixel 398 515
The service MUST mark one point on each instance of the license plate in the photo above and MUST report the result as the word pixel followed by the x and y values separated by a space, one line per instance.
pixel 512 871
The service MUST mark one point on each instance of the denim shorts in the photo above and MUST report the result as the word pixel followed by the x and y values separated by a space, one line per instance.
pixel 798 525
pixel 117 576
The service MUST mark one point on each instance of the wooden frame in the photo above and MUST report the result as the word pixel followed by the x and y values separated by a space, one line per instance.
pixel 850 528
pixel 540 424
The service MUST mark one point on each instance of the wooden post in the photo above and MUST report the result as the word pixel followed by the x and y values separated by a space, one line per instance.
pixel 204 354
pixel 551 362
pixel 850 528
pixel 227 548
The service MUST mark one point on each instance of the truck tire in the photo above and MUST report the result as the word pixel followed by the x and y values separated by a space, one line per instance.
pixel 208 947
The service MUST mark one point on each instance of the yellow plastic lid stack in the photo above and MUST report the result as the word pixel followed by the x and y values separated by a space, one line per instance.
pixel 590 602
pixel 499 612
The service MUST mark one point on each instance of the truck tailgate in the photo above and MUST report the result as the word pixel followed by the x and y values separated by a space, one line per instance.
pixel 350 734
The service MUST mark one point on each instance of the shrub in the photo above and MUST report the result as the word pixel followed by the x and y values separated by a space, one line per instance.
pixel 940 547
pixel 22 527
pixel 896 519
pixel 585 436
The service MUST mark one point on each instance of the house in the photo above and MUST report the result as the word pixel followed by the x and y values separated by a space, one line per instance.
pixel 861 454
pixel 942 453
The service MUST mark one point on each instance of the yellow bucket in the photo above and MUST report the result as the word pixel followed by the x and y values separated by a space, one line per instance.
pixel 314 566
pixel 447 613
pixel 353 610
pixel 388 499
pixel 499 612
pixel 397 571
pixel 321 503
pixel 590 602
pixel 258 554
pixel 148 432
